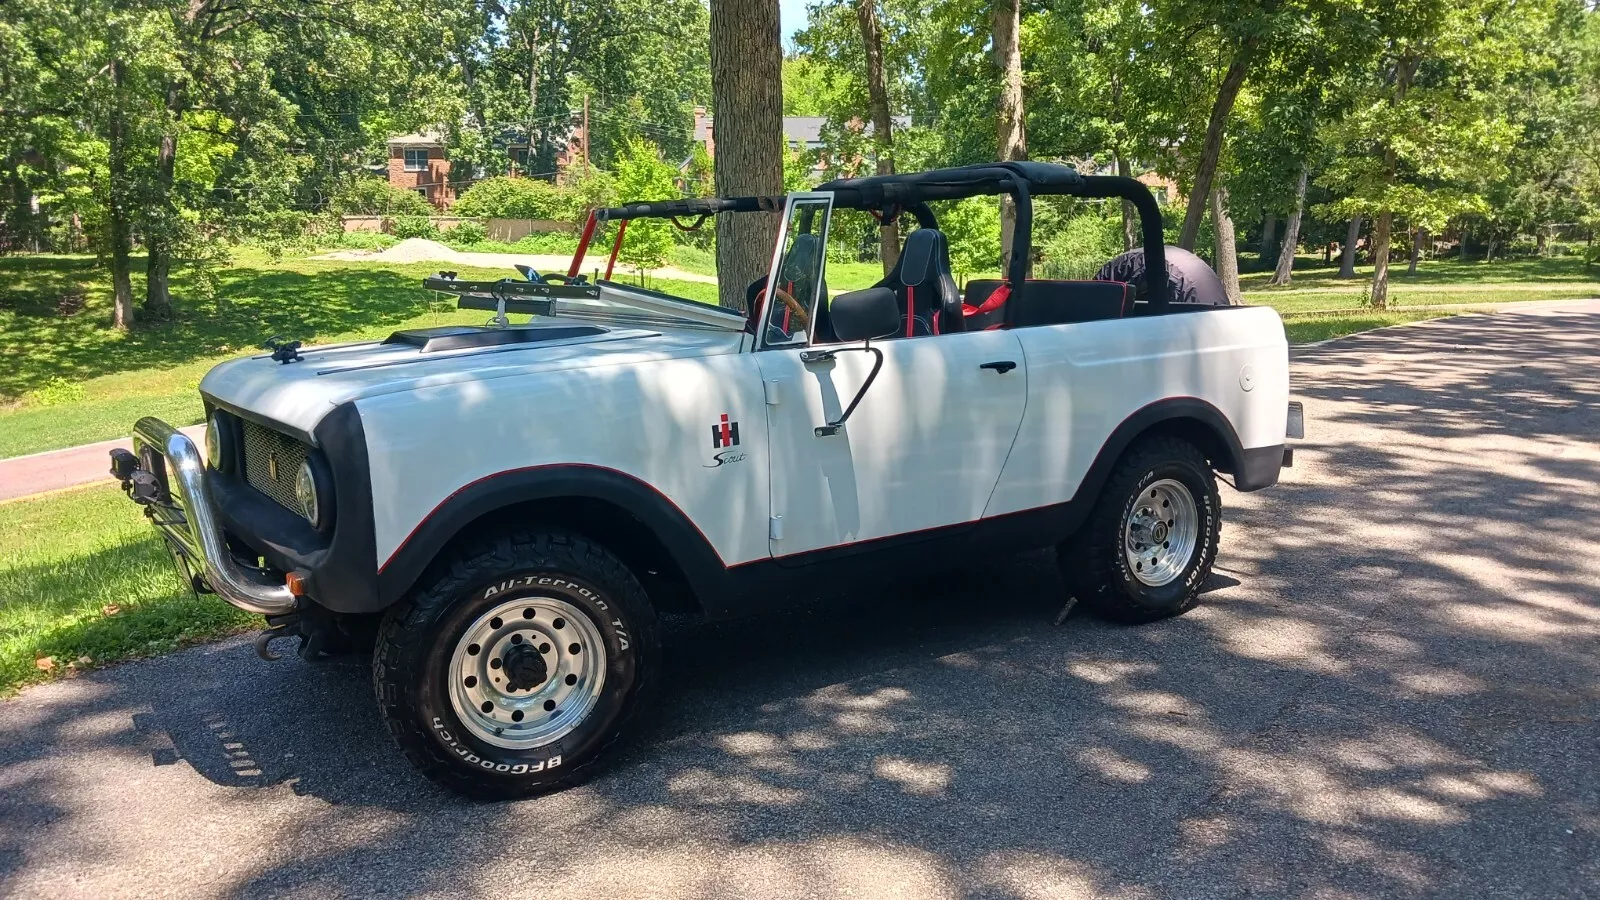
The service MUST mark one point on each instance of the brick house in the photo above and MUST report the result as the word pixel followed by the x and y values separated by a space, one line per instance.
pixel 417 163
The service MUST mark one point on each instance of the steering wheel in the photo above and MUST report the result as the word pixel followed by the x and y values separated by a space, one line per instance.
pixel 795 308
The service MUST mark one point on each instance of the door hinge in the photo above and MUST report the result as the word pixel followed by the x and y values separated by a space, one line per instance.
pixel 775 528
pixel 773 391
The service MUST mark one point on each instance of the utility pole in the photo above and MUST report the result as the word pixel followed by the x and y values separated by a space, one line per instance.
pixel 586 129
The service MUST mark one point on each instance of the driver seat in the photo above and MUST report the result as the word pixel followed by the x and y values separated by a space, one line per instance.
pixel 922 282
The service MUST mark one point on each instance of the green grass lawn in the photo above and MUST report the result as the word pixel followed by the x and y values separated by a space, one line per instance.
pixel 71 379
pixel 85 581
pixel 1316 287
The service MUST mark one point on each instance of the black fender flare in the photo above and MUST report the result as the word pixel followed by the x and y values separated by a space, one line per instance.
pixel 1224 448
pixel 689 548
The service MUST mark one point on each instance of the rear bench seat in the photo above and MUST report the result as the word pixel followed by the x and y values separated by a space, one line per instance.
pixel 1049 302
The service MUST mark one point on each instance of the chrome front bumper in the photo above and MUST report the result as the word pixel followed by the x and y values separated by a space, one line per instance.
pixel 168 478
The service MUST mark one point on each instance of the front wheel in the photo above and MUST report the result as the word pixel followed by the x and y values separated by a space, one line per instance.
pixel 1151 540
pixel 517 665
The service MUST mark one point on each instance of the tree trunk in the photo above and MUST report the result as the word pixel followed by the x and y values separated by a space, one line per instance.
pixel 1269 230
pixel 532 42
pixel 1291 234
pixel 1211 151
pixel 119 230
pixel 159 237
pixel 1130 225
pixel 882 124
pixel 1013 138
pixel 747 89
pixel 1416 250
pixel 1382 227
pixel 1347 253
pixel 1227 249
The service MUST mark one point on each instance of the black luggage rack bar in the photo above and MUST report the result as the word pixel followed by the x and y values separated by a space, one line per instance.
pixel 519 296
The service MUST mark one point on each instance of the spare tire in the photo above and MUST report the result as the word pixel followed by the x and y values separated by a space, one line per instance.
pixel 1189 279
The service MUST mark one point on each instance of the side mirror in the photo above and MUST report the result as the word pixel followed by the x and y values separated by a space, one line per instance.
pixel 858 316
pixel 865 315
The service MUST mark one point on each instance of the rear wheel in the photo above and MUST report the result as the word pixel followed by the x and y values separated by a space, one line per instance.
pixel 1151 540
pixel 517 665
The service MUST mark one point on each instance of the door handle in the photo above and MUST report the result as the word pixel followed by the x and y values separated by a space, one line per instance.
pixel 1000 365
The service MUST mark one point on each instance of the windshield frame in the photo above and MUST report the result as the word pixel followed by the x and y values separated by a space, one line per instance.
pixel 776 266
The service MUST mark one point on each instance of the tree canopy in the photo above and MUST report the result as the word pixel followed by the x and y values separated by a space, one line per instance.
pixel 153 133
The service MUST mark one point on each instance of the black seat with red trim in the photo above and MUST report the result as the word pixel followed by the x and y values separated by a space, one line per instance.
pixel 984 306
pixel 1046 302
pixel 922 282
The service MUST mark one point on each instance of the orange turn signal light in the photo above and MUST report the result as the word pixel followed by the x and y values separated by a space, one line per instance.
pixel 296 583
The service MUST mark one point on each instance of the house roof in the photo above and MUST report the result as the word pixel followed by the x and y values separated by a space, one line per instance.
pixel 805 129
pixel 420 139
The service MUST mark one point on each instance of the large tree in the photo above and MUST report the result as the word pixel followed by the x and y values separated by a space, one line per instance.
pixel 882 121
pixel 1012 137
pixel 1432 131
pixel 526 68
pixel 747 91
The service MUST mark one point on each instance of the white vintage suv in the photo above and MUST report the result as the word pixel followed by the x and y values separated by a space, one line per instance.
pixel 509 507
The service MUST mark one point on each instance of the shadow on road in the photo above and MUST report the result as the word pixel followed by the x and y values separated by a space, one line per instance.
pixel 1393 690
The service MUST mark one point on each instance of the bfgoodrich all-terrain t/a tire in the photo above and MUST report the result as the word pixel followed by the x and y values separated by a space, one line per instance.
pixel 1151 540
pixel 518 663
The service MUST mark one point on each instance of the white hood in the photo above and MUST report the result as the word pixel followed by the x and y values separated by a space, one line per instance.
pixel 299 394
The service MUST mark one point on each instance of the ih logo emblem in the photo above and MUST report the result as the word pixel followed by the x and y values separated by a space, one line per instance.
pixel 725 434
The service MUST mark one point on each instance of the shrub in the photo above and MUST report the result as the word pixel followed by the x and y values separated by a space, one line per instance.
pixel 642 174
pixel 55 392
pixel 366 240
pixel 515 198
pixel 404 227
pixel 548 242
pixel 372 196
pixel 1083 244
pixel 972 226
pixel 277 231
pixel 466 234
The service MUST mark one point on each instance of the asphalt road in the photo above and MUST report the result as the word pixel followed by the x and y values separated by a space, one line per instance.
pixel 1393 691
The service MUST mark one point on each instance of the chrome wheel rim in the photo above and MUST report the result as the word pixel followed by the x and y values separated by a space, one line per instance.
pixel 527 672
pixel 1160 532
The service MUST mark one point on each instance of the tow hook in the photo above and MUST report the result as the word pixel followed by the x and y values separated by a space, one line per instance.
pixel 281 630
pixel 319 632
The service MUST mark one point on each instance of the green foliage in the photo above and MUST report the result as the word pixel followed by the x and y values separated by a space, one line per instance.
pixel 503 197
pixel 404 227
pixel 798 169
pixel 55 392
pixel 516 198
pixel 643 175
pixel 465 234
pixel 548 242
pixel 642 64
pixel 371 196
pixel 812 85
pixel 972 228
pixel 1082 244
pixel 363 240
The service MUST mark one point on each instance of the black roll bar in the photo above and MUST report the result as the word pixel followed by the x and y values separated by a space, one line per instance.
pixel 912 193
pixel 1150 228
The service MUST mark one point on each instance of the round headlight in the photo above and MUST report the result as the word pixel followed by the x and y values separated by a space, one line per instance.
pixel 214 426
pixel 305 491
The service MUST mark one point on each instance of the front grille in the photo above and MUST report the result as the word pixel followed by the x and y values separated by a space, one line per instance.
pixel 266 452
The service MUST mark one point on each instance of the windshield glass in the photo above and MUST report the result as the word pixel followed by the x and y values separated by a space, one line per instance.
pixel 795 284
